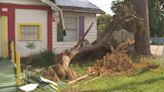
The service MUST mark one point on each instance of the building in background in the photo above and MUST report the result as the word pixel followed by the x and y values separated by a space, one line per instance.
pixel 36 25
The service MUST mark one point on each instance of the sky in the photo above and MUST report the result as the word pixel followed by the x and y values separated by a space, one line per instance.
pixel 105 5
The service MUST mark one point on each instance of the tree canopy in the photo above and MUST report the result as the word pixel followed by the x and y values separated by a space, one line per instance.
pixel 138 8
pixel 156 14
pixel 103 20
pixel 156 18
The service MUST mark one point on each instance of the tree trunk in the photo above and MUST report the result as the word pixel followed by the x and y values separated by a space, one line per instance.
pixel 142 36
pixel 141 45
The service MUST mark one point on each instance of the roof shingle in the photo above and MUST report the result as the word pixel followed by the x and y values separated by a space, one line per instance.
pixel 78 4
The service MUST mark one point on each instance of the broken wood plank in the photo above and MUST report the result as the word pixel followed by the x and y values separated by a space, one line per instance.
pixel 92 79
pixel 80 78
pixel 82 38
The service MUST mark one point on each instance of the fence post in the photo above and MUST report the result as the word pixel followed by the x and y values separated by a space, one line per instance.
pixel 18 69
pixel 3 35
pixel 12 52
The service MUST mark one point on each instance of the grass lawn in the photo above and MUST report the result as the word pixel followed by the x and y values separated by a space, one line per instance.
pixel 150 81
pixel 143 81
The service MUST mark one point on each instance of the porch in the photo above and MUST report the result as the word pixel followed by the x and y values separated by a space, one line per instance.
pixel 7 76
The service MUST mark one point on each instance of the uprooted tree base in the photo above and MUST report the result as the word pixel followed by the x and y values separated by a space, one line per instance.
pixel 61 70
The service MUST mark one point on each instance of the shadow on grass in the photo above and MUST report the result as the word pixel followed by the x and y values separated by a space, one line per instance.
pixel 142 72
pixel 131 85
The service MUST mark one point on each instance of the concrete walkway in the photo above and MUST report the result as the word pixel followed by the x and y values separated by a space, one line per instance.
pixel 7 77
pixel 157 49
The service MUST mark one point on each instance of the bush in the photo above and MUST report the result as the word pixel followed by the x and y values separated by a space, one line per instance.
pixel 44 58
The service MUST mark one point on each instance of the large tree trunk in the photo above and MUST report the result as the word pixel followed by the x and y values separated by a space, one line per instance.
pixel 142 36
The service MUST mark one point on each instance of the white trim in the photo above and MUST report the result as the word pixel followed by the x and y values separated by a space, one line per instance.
pixel 55 8
pixel 53 5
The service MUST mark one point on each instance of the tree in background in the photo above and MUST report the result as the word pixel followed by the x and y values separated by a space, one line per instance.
pixel 103 20
pixel 140 29
pixel 142 35
pixel 156 18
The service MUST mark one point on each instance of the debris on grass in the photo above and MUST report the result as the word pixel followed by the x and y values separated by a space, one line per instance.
pixel 114 63
pixel 80 78
pixel 93 79
pixel 119 62
pixel 28 87
pixel 145 65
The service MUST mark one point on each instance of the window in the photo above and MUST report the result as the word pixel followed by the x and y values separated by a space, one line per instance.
pixel 74 26
pixel 71 25
pixel 29 32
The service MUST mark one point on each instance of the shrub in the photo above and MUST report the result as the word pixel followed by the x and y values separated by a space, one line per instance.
pixel 44 58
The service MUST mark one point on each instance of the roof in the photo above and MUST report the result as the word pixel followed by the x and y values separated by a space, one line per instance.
pixel 78 5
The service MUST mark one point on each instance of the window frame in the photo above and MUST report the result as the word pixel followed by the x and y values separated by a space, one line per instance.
pixel 30 24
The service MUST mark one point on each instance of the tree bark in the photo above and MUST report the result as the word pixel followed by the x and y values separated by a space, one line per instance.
pixel 142 36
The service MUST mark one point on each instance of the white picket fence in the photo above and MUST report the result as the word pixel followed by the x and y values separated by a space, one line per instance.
pixel 123 35
pixel 120 36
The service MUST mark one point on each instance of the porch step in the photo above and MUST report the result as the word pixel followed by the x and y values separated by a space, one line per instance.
pixel 7 81
pixel 9 89
pixel 7 77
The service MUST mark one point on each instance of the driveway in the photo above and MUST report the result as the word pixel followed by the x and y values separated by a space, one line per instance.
pixel 157 49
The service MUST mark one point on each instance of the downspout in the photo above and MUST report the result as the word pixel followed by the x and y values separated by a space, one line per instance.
pixel 56 8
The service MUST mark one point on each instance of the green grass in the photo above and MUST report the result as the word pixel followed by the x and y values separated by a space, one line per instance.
pixel 143 81
pixel 80 69
pixel 148 81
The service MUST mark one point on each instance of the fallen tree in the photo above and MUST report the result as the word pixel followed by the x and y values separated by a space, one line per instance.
pixel 61 69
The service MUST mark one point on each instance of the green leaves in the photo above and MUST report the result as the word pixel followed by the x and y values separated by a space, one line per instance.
pixel 156 18
pixel 43 58
pixel 103 20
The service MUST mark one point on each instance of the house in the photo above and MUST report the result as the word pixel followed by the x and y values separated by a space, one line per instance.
pixel 38 25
